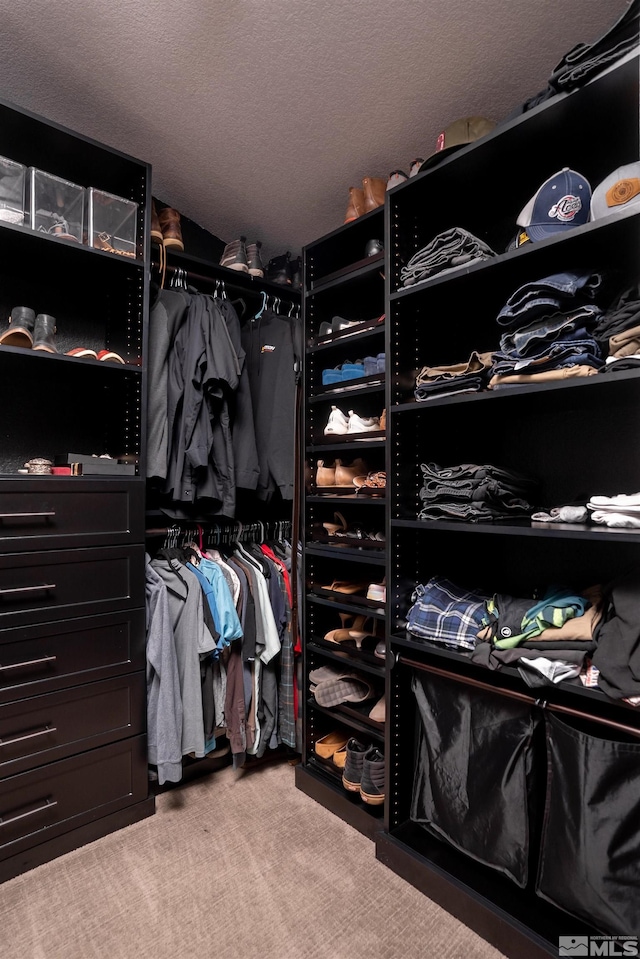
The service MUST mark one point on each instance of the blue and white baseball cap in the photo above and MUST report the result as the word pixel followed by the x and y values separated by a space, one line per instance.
pixel 561 203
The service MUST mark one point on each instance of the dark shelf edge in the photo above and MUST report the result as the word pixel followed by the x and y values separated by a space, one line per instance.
pixel 533 389
pixel 344 228
pixel 43 355
pixel 505 258
pixel 340 655
pixel 348 336
pixel 317 787
pixel 348 445
pixel 341 714
pixel 347 275
pixel 376 611
pixel 235 277
pixel 348 392
pixel 348 499
pixel 136 262
pixel 545 530
pixel 340 552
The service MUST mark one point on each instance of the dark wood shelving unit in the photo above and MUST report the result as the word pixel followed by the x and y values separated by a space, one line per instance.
pixel 72 624
pixel 535 430
pixel 340 281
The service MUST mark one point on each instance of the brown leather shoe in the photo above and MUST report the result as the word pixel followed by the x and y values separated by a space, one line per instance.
pixel 169 221
pixel 374 190
pixel 325 475
pixel 156 229
pixel 345 475
pixel 355 207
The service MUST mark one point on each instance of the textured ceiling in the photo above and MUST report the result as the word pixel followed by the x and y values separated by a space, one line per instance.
pixel 257 115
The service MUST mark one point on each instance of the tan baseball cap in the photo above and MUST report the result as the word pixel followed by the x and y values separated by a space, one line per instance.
pixel 617 193
pixel 458 134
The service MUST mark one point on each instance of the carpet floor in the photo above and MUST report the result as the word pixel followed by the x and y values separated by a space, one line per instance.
pixel 234 866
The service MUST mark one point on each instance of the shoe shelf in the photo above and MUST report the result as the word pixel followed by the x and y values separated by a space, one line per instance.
pixel 341 281
pixel 361 387
pixel 349 274
pixel 23 241
pixel 351 499
pixel 349 337
pixel 347 552
pixel 356 442
pixel 34 356
pixel 359 660
pixel 353 604
pixel 353 715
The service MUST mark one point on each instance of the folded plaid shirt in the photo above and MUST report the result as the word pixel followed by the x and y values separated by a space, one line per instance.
pixel 445 613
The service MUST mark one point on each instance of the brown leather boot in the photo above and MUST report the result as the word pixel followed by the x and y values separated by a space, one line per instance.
pixel 169 221
pixel 374 190
pixel 156 229
pixel 355 207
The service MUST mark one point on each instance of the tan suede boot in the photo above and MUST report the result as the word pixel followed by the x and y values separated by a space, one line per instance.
pixel 355 207
pixel 374 190
pixel 169 221
pixel 156 229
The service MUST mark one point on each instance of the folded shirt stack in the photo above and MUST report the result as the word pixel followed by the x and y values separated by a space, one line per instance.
pixel 550 331
pixel 474 494
pixel 447 251
pixel 618 332
pixel 618 511
pixel 469 377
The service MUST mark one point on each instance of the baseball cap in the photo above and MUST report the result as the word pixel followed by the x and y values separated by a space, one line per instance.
pixel 617 193
pixel 562 202
pixel 457 135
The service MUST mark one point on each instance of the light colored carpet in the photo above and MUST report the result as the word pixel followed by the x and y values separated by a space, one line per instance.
pixel 234 866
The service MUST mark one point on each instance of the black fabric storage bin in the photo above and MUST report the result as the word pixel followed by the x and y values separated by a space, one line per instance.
pixel 475 772
pixel 590 857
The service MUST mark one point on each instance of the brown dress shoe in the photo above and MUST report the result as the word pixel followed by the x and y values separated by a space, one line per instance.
pixel 374 190
pixel 355 207
pixel 156 229
pixel 169 221
pixel 345 475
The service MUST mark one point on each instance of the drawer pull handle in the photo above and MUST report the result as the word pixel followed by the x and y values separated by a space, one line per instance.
pixel 44 515
pixel 48 804
pixel 20 739
pixel 29 662
pixel 26 589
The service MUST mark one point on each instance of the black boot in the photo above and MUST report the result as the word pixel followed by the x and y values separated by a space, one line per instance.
pixel 45 330
pixel 20 331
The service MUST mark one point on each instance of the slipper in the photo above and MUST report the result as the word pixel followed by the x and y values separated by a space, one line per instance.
pixel 377 714
pixel 349 689
pixel 327 745
pixel 324 673
pixel 339 586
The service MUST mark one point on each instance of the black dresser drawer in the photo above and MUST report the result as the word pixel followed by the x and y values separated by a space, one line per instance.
pixel 39 805
pixel 48 728
pixel 50 512
pixel 60 584
pixel 41 659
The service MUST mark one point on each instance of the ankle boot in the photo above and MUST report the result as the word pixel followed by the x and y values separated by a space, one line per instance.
pixel 254 262
pixel 156 229
pixel 234 256
pixel 355 207
pixel 20 331
pixel 374 190
pixel 44 332
pixel 169 221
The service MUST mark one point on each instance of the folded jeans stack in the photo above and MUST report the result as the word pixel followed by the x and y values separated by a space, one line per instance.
pixel 549 331
pixel 447 251
pixel 617 511
pixel 474 494
pixel 469 377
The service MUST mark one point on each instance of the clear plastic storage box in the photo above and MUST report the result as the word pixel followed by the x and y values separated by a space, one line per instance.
pixel 56 206
pixel 112 223
pixel 12 181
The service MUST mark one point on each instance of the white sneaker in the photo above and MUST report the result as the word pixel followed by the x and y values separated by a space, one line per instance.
pixel 377 592
pixel 337 424
pixel 362 424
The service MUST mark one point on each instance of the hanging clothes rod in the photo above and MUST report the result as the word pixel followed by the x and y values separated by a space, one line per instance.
pixel 522 697
pixel 230 285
